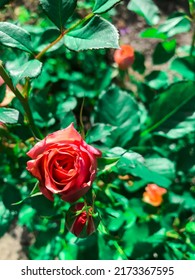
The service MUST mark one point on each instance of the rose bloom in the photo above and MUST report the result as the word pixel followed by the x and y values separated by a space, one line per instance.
pixel 124 57
pixel 154 194
pixel 80 221
pixel 64 164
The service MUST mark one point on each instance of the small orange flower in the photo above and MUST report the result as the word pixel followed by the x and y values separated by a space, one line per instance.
pixel 153 194
pixel 124 57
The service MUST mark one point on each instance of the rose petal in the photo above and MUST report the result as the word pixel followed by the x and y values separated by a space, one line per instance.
pixel 68 134
pixel 46 192
pixel 74 196
pixel 33 168
pixel 92 150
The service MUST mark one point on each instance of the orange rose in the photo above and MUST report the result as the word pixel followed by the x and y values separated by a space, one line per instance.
pixel 124 57
pixel 153 194
pixel 64 164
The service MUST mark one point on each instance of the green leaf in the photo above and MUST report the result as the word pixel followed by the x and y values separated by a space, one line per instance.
pixel 139 63
pixel 3 2
pixel 64 107
pixel 184 66
pixel 106 164
pixel 69 252
pixel 190 227
pixel 157 80
pixel 64 111
pixel 30 69
pixel 180 124
pixel 66 119
pixel 119 109
pixel 157 238
pixel 106 251
pixel 96 34
pixel 164 52
pixel 99 132
pixel 175 24
pixel 140 233
pixel 14 36
pixel 115 219
pixel 8 115
pixel 148 10
pixel 102 6
pixel 162 166
pixel 131 163
pixel 59 11
pixel 152 33
pixel 163 107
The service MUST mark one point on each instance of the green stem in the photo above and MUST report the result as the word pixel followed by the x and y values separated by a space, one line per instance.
pixel 23 101
pixel 86 18
pixel 27 88
pixel 39 55
pixel 120 250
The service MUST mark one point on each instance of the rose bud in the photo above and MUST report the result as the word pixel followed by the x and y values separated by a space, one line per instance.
pixel 124 57
pixel 153 194
pixel 64 164
pixel 81 220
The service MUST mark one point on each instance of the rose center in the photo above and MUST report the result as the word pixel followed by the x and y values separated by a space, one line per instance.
pixel 65 164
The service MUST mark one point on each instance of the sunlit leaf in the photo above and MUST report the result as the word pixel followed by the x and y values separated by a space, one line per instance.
pixel 130 163
pixel 148 10
pixel 184 66
pixel 99 132
pixel 162 166
pixel 101 6
pixel 157 80
pixel 96 34
pixel 175 24
pixel 152 33
pixel 8 115
pixel 30 69
pixel 14 36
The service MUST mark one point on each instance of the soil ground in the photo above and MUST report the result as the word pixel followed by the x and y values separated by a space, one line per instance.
pixel 12 244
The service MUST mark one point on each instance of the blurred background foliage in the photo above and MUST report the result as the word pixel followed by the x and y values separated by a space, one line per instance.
pixel 142 119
